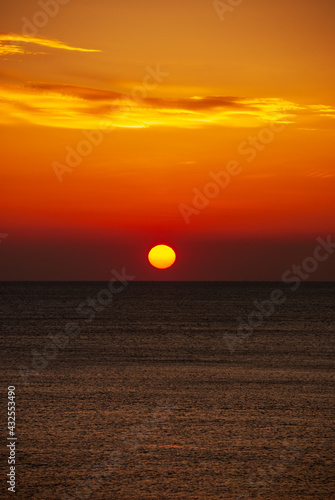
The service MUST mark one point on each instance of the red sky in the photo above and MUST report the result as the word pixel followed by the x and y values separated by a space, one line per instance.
pixel 116 115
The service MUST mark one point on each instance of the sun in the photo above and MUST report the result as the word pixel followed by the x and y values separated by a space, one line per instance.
pixel 162 256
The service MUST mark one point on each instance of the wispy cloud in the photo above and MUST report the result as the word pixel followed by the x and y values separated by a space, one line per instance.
pixel 322 173
pixel 10 44
pixel 326 111
pixel 75 107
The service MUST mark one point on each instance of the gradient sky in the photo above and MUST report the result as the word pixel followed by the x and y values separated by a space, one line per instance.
pixel 168 92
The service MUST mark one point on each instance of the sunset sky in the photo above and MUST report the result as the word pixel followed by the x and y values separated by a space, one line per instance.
pixel 117 114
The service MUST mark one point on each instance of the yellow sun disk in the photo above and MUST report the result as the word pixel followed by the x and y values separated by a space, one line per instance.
pixel 161 256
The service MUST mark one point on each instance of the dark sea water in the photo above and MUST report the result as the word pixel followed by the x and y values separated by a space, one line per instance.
pixel 145 398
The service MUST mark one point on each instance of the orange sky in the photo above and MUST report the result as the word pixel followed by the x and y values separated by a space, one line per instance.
pixel 114 114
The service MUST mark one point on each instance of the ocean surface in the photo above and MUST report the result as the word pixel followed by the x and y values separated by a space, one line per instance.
pixel 151 393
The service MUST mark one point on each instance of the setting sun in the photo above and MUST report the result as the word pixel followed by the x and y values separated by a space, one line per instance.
pixel 162 256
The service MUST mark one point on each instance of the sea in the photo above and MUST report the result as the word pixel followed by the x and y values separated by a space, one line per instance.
pixel 168 390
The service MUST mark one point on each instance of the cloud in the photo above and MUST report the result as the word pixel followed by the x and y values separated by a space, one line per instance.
pixel 75 107
pixel 10 44
pixel 197 103
pixel 87 93
pixel 322 173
